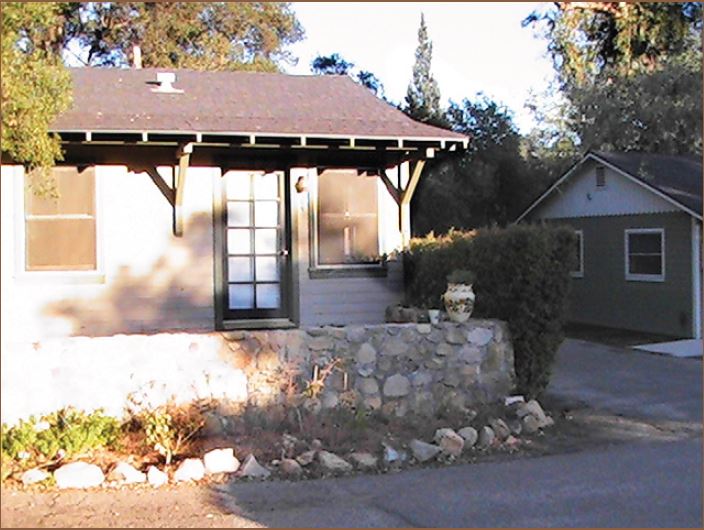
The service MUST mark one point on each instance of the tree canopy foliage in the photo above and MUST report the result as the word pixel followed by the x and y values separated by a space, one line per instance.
pixel 334 64
pixel 422 101
pixel 35 86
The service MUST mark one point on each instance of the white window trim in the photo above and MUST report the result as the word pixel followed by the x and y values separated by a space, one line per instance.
pixel 645 277
pixel 313 239
pixel 579 273
pixel 96 275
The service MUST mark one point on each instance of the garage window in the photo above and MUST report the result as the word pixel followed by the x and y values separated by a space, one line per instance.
pixel 645 254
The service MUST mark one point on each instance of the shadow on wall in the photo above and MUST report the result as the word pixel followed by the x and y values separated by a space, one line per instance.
pixel 175 294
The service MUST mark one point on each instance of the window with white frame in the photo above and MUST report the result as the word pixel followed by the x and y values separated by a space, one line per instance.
pixel 60 229
pixel 578 271
pixel 346 225
pixel 645 254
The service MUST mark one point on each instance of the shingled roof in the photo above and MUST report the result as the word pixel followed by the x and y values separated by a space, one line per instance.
pixel 124 100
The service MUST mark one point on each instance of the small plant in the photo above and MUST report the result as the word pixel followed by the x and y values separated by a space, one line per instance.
pixel 169 428
pixel 463 276
pixel 63 434
pixel 315 386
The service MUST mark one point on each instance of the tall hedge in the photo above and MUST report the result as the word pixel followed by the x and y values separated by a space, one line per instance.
pixel 522 277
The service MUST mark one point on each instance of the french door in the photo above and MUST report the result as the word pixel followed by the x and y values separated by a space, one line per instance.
pixel 256 262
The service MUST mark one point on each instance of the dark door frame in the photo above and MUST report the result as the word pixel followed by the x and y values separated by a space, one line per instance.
pixel 289 316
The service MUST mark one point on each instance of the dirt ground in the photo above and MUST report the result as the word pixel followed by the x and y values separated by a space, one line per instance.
pixel 196 505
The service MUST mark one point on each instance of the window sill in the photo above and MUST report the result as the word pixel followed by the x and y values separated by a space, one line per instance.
pixel 61 277
pixel 644 278
pixel 371 271
pixel 577 274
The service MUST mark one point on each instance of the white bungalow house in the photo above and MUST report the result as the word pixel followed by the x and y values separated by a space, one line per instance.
pixel 638 218
pixel 212 200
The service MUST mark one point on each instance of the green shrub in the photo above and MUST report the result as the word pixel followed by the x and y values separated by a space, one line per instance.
pixel 169 429
pixel 70 431
pixel 522 277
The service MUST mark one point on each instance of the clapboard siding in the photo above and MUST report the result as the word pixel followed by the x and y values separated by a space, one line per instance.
pixel 341 301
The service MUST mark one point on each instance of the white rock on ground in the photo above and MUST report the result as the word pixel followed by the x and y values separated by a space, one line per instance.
pixel 290 467
pixel 391 455
pixel 253 469
pixel 156 477
pixel 190 469
pixel 530 424
pixel 32 476
pixel 469 435
pixel 332 462
pixel 306 458
pixel 449 441
pixel 486 437
pixel 423 451
pixel 364 460
pixel 533 408
pixel 220 461
pixel 127 474
pixel 501 430
pixel 78 475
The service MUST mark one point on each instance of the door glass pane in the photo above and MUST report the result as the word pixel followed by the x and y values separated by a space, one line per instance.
pixel 239 270
pixel 241 296
pixel 268 296
pixel 267 269
pixel 237 185
pixel 265 241
pixel 238 241
pixel 238 214
pixel 266 186
pixel 266 213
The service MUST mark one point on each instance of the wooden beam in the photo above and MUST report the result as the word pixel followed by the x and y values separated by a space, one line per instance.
pixel 393 190
pixel 156 177
pixel 412 182
pixel 184 160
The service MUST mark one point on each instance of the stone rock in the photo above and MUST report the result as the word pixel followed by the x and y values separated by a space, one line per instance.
pixel 452 379
pixel 470 354
pixel 368 386
pixel 306 458
pixel 534 409
pixel 355 334
pixel 391 455
pixel 253 469
pixel 332 462
pixel 469 435
pixel 530 424
pixel 397 386
pixel 312 405
pixel 444 349
pixel 155 477
pixel 316 445
pixel 423 451
pixel 366 370
pixel 32 476
pixel 366 354
pixel 290 467
pixel 515 426
pixel 449 441
pixel 501 430
pixel 214 425
pixel 78 475
pixel 454 335
pixel 189 469
pixel 421 378
pixel 424 329
pixel 480 336
pixel 486 437
pixel 127 474
pixel 394 347
pixel 220 461
pixel 364 460
pixel 329 400
pixel 321 343
pixel 372 402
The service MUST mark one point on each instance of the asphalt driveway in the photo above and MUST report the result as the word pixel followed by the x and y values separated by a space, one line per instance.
pixel 628 382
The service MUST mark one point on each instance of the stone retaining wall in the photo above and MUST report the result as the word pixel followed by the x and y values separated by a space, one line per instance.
pixel 398 368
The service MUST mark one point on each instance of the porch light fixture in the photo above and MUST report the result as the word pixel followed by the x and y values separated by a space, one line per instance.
pixel 301 185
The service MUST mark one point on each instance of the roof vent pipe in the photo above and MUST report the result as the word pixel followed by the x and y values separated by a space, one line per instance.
pixel 166 81
pixel 136 57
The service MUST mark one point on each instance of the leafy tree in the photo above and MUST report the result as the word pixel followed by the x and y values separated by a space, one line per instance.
pixel 35 87
pixel 423 95
pixel 586 38
pixel 334 64
pixel 196 35
pixel 489 184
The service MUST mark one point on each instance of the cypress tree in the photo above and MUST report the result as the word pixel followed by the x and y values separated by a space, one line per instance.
pixel 423 94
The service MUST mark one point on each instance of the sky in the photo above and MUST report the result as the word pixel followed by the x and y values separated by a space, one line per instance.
pixel 477 47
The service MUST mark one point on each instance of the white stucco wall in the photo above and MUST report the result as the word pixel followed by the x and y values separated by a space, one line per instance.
pixel 147 280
